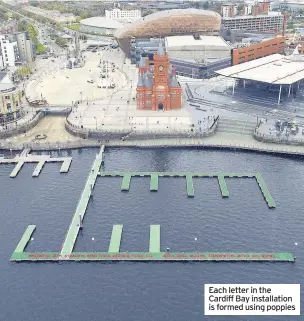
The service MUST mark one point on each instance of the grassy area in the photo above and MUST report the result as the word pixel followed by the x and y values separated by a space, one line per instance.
pixel 40 48
pixel 74 26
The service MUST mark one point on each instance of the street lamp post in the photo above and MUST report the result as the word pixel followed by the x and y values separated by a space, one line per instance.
pixel 195 239
pixel 96 121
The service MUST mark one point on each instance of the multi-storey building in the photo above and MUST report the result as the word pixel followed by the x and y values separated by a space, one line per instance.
pixel 26 47
pixel 260 8
pixel 229 10
pixel 117 14
pixel 158 88
pixel 16 49
pixel 10 100
pixel 271 22
pixel 247 9
pixel 10 55
pixel 258 50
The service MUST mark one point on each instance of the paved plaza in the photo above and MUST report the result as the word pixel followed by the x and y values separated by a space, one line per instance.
pixel 62 86
pixel 117 110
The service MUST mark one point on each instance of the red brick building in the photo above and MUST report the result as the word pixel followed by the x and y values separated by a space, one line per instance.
pixel 259 50
pixel 158 88
pixel 260 8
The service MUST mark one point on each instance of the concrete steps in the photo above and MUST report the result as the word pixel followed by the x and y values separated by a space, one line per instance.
pixel 237 126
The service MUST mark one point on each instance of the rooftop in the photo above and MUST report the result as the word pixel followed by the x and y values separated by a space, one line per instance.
pixel 102 22
pixel 168 13
pixel 183 41
pixel 274 69
pixel 273 14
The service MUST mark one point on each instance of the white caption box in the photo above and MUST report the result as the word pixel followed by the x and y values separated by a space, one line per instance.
pixel 252 299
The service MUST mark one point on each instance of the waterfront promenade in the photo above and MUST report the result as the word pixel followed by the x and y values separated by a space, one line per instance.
pixel 219 140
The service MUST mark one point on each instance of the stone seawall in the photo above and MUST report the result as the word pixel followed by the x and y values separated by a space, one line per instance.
pixel 21 129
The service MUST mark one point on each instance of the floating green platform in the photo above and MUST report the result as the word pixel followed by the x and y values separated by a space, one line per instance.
pixel 127 176
pixel 114 246
pixel 156 257
pixel 154 183
pixel 154 254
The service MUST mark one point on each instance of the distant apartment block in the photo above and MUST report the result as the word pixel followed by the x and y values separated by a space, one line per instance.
pixel 260 8
pixel 16 49
pixel 117 14
pixel 258 50
pixel 25 46
pixel 9 51
pixel 271 22
pixel 229 10
pixel 247 9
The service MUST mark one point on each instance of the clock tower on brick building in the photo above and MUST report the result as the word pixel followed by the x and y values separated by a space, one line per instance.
pixel 158 88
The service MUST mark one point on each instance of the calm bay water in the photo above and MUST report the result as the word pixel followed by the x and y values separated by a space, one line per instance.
pixel 147 291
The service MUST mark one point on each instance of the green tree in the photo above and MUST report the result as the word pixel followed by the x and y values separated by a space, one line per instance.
pixel 61 42
pixel 206 5
pixel 24 71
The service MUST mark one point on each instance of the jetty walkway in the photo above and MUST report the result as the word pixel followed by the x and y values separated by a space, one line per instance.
pixel 83 202
pixel 26 157
pixel 155 254
pixel 127 176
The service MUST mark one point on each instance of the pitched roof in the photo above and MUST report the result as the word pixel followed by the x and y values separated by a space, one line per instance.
pixel 140 82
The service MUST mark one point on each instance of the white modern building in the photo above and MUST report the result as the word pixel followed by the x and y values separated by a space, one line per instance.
pixel 247 9
pixel 9 51
pixel 100 25
pixel 16 49
pixel 117 14
pixel 197 48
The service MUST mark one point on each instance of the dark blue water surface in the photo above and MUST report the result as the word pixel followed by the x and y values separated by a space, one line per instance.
pixel 127 291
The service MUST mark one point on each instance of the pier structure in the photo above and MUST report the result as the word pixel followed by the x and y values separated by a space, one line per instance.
pixel 127 177
pixel 26 157
pixel 154 255
pixel 83 202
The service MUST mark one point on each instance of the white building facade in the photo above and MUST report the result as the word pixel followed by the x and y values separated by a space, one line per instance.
pixel 229 10
pixel 9 52
pixel 117 14
pixel 247 9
